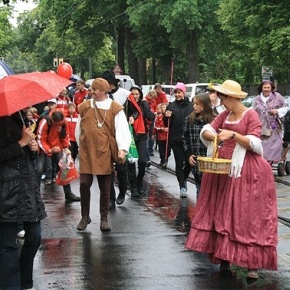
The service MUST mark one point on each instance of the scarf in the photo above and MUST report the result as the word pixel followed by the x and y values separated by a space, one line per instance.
pixel 138 125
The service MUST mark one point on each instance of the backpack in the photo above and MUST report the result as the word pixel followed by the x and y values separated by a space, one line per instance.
pixel 62 133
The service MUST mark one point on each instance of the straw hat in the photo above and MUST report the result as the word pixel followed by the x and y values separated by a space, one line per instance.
pixel 230 88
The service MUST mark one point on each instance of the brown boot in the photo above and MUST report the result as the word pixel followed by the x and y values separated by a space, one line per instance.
pixel 105 227
pixel 83 223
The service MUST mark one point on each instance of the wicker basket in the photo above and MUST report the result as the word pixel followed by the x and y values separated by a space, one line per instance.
pixel 214 164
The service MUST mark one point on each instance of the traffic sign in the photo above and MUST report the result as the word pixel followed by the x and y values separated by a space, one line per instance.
pixel 117 70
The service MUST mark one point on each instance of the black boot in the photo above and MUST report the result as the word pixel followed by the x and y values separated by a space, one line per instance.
pixel 71 197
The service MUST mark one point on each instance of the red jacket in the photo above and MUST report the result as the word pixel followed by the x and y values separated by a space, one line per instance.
pixel 61 103
pixel 79 96
pixel 49 136
pixel 72 122
pixel 161 98
pixel 160 128
pixel 152 104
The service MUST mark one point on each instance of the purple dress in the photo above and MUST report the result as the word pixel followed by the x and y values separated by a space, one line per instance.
pixel 235 219
pixel 271 127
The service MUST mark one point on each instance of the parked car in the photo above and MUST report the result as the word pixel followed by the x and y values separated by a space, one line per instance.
pixel 195 88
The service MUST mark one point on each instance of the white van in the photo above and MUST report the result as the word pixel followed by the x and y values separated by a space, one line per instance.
pixel 126 81
pixel 195 88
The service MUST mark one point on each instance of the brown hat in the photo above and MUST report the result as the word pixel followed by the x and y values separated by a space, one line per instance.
pixel 101 84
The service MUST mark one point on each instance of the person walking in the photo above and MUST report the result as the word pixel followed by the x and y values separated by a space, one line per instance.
pixel 80 93
pixel 71 119
pixel 53 140
pixel 119 95
pixel 20 203
pixel 138 114
pixel 235 218
pixel 161 133
pixel 202 114
pixel 271 108
pixel 174 119
pixel 96 117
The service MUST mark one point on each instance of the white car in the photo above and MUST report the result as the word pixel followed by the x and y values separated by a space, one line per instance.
pixel 195 88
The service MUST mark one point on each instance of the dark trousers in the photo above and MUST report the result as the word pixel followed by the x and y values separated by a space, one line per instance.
pixel 17 272
pixel 41 165
pixel 182 167
pixel 141 146
pixel 86 181
pixel 74 149
pixel 150 141
pixel 122 175
pixel 162 150
pixel 28 252
pixel 9 263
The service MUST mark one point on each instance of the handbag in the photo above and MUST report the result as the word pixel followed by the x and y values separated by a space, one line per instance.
pixel 132 155
pixel 67 170
pixel 113 145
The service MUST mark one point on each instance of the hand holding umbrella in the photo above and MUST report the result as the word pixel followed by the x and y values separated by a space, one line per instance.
pixel 27 137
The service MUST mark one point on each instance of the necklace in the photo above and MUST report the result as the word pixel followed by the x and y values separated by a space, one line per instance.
pixel 100 124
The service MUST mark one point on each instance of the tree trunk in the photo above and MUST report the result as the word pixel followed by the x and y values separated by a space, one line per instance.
pixel 121 49
pixel 132 59
pixel 193 59
pixel 142 71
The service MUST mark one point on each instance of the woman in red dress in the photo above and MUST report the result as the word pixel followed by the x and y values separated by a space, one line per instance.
pixel 235 219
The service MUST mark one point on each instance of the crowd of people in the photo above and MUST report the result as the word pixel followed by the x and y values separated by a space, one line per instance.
pixel 226 224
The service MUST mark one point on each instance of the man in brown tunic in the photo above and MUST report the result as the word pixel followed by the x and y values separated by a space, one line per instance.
pixel 97 117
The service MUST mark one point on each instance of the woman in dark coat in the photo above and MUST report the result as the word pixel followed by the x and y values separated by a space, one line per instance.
pixel 139 116
pixel 20 202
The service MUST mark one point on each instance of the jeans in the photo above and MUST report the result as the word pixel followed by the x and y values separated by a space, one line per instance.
pixel 16 272
pixel 182 167
pixel 41 164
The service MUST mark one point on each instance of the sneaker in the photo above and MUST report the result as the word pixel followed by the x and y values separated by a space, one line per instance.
pixel 182 192
pixel 164 165
pixel 21 234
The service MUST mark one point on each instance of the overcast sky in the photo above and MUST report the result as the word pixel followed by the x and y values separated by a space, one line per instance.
pixel 21 7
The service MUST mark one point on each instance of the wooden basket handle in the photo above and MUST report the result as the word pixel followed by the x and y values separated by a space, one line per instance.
pixel 215 148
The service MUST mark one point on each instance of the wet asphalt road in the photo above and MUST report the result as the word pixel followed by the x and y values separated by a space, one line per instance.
pixel 144 250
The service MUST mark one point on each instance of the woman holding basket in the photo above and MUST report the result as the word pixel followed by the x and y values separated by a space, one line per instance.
pixel 235 219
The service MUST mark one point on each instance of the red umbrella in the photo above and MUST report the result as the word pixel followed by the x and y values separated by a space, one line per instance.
pixel 20 91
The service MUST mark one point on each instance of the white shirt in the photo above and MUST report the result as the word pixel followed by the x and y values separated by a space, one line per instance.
pixel 121 96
